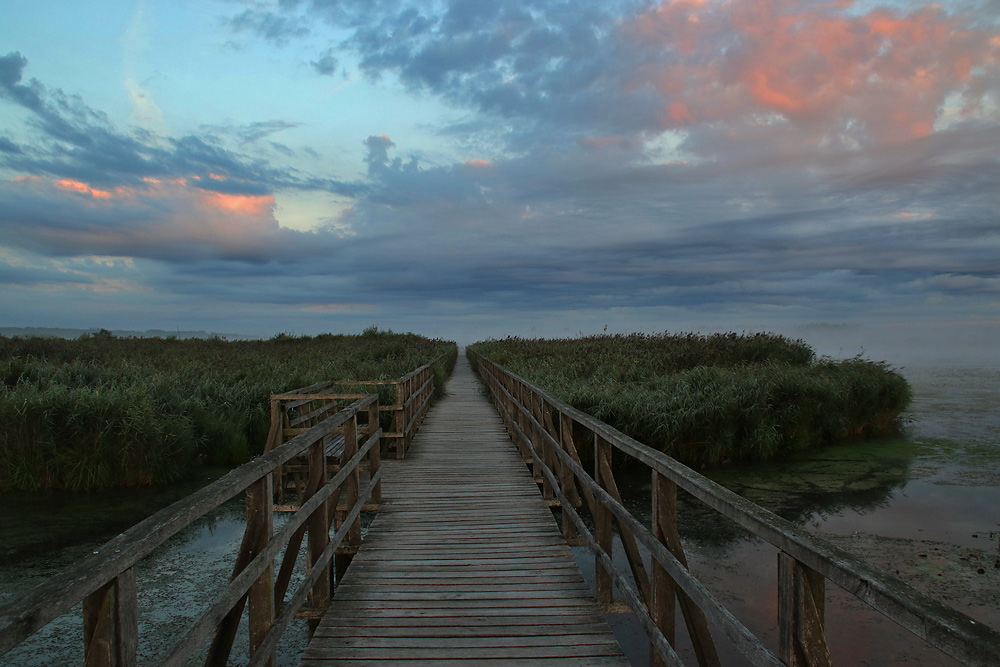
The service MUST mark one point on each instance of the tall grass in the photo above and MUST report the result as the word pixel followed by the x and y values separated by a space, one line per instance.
pixel 706 400
pixel 102 411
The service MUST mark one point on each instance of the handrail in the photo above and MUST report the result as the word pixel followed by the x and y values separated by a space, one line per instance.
pixel 105 581
pixel 542 426
pixel 413 394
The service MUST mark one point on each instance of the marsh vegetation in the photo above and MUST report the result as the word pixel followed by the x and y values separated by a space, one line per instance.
pixel 101 411
pixel 709 399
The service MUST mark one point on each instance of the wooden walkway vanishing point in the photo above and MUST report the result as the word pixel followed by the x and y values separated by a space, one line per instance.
pixel 464 561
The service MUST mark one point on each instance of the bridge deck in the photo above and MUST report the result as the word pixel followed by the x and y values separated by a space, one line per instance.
pixel 464 562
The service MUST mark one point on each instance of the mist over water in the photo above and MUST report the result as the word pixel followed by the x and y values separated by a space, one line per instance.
pixel 907 345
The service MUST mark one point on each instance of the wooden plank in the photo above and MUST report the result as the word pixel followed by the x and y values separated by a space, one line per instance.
pixel 464 561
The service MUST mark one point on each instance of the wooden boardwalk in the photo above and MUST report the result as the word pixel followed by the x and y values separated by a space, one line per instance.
pixel 464 562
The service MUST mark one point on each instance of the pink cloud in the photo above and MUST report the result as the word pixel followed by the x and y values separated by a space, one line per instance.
pixel 812 64
pixel 83 188
pixel 158 217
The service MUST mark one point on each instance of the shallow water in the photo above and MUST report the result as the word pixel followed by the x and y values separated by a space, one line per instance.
pixel 44 533
pixel 925 508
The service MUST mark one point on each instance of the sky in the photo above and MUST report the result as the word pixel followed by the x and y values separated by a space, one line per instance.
pixel 474 169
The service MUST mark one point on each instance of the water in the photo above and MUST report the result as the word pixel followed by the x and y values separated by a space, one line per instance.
pixel 43 533
pixel 925 508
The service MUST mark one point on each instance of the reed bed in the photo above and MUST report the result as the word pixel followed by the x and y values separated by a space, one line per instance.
pixel 710 399
pixel 102 411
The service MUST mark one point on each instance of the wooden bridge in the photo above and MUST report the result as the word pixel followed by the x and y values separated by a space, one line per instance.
pixel 464 560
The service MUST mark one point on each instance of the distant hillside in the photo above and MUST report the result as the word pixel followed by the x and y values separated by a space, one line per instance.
pixel 51 332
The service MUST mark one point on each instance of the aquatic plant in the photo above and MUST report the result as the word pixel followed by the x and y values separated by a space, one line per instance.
pixel 102 411
pixel 707 399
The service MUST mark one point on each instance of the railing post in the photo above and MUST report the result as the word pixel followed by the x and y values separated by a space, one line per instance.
pixel 801 592
pixel 319 525
pixel 566 478
pixel 537 444
pixel 602 524
pixel 663 595
pixel 111 623
pixel 374 456
pixel 348 499
pixel 665 530
pixel 273 440
pixel 399 421
pixel 260 513
pixel 520 391
pixel 552 459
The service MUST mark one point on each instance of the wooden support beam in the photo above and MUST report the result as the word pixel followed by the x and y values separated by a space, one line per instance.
pixel 260 513
pixel 319 526
pixel 399 421
pixel 111 624
pixel 801 592
pixel 666 532
pixel 607 482
pixel 374 456
pixel 602 524
pixel 663 596
pixel 348 499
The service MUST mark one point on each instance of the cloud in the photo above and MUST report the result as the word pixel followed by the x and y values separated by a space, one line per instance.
pixel 804 160
pixel 175 221
pixel 326 64
pixel 881 76
pixel 823 72
pixel 269 26
pixel 80 143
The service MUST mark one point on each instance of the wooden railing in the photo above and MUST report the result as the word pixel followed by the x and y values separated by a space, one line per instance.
pixel 295 411
pixel 543 428
pixel 106 582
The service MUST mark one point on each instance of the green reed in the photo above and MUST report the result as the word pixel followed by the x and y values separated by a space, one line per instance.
pixel 101 411
pixel 710 399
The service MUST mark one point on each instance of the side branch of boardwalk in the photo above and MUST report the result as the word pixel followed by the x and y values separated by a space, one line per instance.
pixel 464 561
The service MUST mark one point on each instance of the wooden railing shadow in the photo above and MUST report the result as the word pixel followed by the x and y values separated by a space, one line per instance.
pixel 550 435
pixel 105 582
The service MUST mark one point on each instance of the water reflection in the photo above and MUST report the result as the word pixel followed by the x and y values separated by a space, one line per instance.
pixel 805 489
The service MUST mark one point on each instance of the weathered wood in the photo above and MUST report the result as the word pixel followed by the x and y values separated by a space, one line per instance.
pixel 954 633
pixel 749 645
pixel 399 421
pixel 57 595
pixel 694 617
pixel 607 481
pixel 602 524
pixel 99 627
pixel 462 561
pixel 319 529
pixel 662 605
pixel 261 596
pixel 348 499
pixel 802 641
